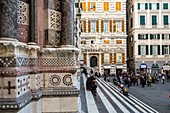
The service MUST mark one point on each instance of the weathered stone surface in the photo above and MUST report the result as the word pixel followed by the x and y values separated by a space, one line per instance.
pixel 67 24
pixel 8 18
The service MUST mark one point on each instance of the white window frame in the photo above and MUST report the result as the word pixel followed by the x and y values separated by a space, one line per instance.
pixel 154 50
pixel 166 50
pixel 106 58
pixel 166 36
pixel 142 6
pixel 93 25
pixel 119 57
pixel 106 26
pixel 118 26
pixel 143 50
pixel 154 8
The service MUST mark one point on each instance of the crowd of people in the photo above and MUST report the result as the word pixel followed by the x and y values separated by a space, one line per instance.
pixel 129 78
pixel 125 78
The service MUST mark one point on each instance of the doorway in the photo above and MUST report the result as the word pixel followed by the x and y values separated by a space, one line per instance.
pixel 93 61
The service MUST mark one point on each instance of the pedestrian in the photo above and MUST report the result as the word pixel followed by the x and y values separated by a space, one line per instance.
pixel 143 81
pixel 163 79
pixel 157 79
pixel 149 81
pixel 135 80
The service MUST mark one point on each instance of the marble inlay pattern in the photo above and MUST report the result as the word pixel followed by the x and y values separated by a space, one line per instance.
pixel 23 13
pixel 52 37
pixel 54 18
pixel 23 33
pixel 67 80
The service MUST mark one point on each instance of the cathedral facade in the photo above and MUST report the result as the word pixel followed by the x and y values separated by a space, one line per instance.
pixel 38 56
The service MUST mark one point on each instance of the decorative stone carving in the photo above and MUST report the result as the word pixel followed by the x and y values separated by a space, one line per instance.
pixel 8 19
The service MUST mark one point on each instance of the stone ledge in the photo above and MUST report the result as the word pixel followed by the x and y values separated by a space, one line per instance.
pixel 60 92
pixel 15 104
pixel 37 94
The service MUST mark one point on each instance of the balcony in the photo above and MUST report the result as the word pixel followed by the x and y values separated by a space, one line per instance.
pixel 155 56
pixel 166 56
pixel 142 26
pixel 166 26
pixel 154 26
pixel 143 56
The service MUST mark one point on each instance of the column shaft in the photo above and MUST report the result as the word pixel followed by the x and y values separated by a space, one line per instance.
pixel 8 19
pixel 32 21
pixel 67 24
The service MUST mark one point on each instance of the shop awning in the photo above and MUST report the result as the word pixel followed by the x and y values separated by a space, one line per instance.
pixel 155 66
pixel 143 66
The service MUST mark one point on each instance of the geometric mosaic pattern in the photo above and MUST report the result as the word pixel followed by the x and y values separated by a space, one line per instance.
pixel 17 62
pixel 52 37
pixel 55 80
pixel 54 18
pixel 67 80
pixel 57 62
pixel 23 33
pixel 22 13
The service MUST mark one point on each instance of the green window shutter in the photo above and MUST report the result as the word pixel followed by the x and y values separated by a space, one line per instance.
pixel 146 36
pixel 139 49
pixel 132 8
pixel 138 6
pixel 158 36
pixel 142 20
pixel 165 19
pixel 139 36
pixel 154 20
pixel 147 48
pixel 162 49
pixel 162 36
pixel 169 49
pixel 165 5
pixel 158 6
pixel 150 49
pixel 151 36
pixel 169 36
pixel 150 6
pixel 146 6
pixel 158 49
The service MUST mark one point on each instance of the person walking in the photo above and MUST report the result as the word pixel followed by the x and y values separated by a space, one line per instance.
pixel 135 80
pixel 143 81
pixel 163 79
pixel 149 81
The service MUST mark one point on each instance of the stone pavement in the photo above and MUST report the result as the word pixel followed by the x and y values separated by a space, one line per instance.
pixel 109 100
pixel 155 96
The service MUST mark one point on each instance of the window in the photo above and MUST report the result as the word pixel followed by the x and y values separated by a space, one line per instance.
pixel 166 36
pixel 119 57
pixel 93 41
pixel 91 6
pixel 154 20
pixel 166 20
pixel 131 21
pixel 165 6
pixel 106 41
pixel 84 6
pixel 142 36
pixel 154 50
pixel 142 20
pixel 166 49
pixel 118 25
pixel 106 6
pixel 84 41
pixel 118 41
pixel 93 26
pixel 143 50
pixel 106 26
pixel 118 6
pixel 153 6
pixel 106 58
pixel 142 6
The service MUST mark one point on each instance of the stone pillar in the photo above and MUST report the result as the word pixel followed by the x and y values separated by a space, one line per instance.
pixel 67 24
pixel 100 62
pixel 8 19
pixel 88 61
pixel 32 21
